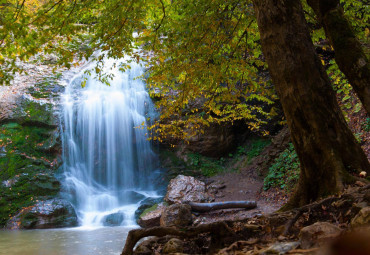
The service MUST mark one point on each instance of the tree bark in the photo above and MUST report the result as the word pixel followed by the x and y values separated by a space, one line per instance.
pixel 349 55
pixel 326 147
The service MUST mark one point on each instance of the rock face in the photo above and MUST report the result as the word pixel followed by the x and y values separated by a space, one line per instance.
pixel 151 216
pixel 318 233
pixel 185 189
pixel 216 142
pixel 54 213
pixel 177 215
pixel 362 218
pixel 30 144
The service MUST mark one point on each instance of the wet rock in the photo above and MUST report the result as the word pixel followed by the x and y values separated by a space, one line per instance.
pixel 145 204
pixel 184 189
pixel 114 219
pixel 174 245
pixel 130 197
pixel 318 233
pixel 151 216
pixel 178 215
pixel 36 112
pixel 53 213
pixel 142 250
pixel 362 218
pixel 280 248
pixel 52 144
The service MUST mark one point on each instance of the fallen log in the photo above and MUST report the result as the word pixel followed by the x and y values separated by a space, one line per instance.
pixel 206 207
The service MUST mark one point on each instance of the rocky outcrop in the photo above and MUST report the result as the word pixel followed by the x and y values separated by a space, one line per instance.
pixel 216 142
pixel 183 189
pixel 177 215
pixel 30 143
pixel 54 213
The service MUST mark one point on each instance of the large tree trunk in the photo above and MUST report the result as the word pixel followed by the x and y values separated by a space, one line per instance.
pixel 349 55
pixel 326 147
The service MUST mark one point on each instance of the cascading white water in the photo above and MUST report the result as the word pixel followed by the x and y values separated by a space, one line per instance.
pixel 107 157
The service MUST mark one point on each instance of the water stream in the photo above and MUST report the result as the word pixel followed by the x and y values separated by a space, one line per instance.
pixel 107 158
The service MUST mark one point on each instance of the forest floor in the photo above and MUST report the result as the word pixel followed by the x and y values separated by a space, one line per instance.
pixel 247 184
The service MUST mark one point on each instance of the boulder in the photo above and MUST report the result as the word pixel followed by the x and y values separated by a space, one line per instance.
pixel 53 213
pixel 151 216
pixel 174 245
pixel 178 215
pixel 183 189
pixel 362 218
pixel 317 234
pixel 114 219
pixel 145 204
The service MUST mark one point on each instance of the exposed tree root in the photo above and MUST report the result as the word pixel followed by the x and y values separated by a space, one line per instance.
pixel 306 208
pixel 218 229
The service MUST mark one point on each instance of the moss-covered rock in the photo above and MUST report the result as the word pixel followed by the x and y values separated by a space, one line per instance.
pixel 30 148
pixel 53 213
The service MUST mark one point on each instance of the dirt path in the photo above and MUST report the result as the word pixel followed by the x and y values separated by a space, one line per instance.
pixel 242 186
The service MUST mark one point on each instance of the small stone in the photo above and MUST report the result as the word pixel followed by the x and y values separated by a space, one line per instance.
pixel 174 245
pixel 362 218
pixel 318 233
pixel 281 238
pixel 176 215
pixel 280 248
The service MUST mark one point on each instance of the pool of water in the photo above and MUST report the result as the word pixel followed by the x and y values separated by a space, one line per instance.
pixel 72 241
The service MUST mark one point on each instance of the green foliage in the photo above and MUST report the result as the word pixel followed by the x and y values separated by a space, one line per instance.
pixel 147 210
pixel 206 166
pixel 253 149
pixel 366 125
pixel 284 173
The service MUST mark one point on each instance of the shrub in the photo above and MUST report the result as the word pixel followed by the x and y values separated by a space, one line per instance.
pixel 284 173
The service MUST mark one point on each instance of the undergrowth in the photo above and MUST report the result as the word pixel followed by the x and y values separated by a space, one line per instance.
pixel 284 173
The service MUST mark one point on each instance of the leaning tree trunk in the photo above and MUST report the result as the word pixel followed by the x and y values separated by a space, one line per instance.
pixel 326 147
pixel 349 55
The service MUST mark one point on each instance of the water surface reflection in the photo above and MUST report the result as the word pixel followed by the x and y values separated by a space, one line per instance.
pixel 73 241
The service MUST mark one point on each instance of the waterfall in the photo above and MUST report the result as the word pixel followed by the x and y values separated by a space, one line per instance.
pixel 107 157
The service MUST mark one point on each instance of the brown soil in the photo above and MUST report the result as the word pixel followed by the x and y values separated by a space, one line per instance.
pixel 247 185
